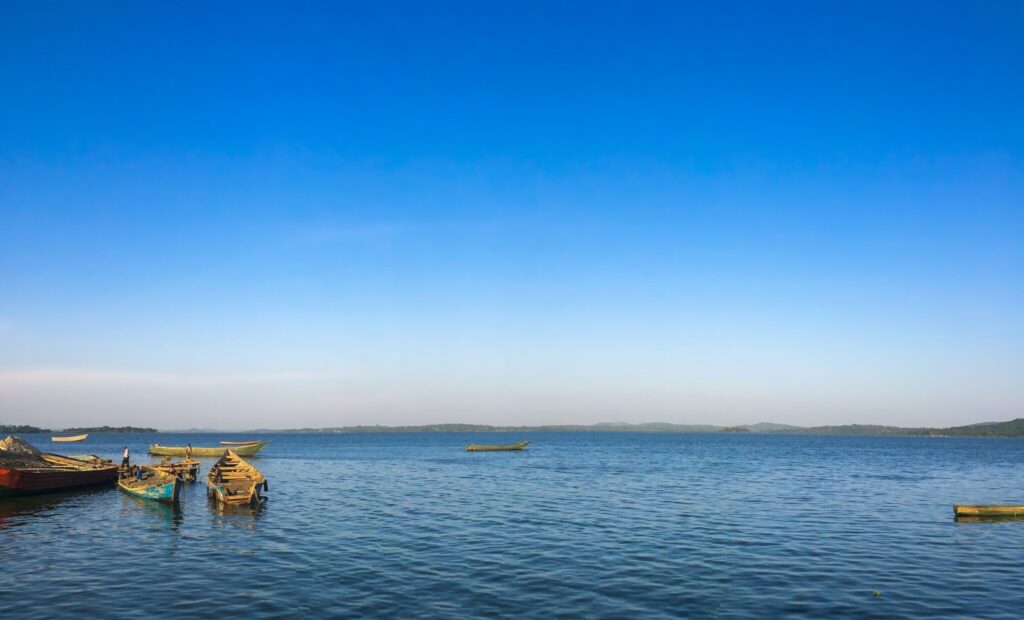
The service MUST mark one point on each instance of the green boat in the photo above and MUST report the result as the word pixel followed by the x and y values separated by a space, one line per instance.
pixel 500 448
pixel 154 485
pixel 219 451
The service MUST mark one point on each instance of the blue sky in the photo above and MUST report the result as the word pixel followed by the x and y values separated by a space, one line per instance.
pixel 259 214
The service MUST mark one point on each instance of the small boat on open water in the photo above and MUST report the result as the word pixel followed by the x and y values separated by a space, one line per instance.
pixel 497 448
pixel 234 482
pixel 249 449
pixel 155 485
pixel 987 510
pixel 70 439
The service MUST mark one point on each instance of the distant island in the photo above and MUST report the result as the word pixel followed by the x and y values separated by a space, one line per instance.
pixel 110 429
pixel 24 429
pixel 1012 428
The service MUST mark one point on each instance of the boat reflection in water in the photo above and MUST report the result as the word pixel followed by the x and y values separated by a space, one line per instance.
pixel 172 514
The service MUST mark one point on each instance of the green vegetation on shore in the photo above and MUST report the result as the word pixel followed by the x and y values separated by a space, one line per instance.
pixel 110 429
pixel 24 429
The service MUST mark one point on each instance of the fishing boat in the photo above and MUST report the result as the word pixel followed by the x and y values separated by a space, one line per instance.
pixel 187 470
pixel 498 448
pixel 152 484
pixel 234 482
pixel 238 443
pixel 246 450
pixel 70 439
pixel 46 473
pixel 987 510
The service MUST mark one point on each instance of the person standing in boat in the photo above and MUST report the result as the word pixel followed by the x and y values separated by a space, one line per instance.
pixel 188 451
pixel 125 460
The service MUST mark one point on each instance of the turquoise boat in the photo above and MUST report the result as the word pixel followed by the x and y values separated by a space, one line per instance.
pixel 154 485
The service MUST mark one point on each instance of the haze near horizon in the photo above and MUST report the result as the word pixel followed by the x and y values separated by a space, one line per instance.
pixel 246 216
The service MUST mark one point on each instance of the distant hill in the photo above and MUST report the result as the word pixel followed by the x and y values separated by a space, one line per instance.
pixel 1012 428
pixel 769 427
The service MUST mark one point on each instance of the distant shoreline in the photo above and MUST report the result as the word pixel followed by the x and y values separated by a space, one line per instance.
pixel 1012 428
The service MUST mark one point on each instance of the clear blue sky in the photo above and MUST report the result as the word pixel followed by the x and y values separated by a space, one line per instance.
pixel 290 214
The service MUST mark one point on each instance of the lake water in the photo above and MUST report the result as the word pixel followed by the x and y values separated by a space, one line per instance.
pixel 595 524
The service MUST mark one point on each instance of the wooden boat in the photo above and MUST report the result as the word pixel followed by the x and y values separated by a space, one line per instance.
pixel 246 450
pixel 990 510
pixel 499 448
pixel 238 443
pixel 154 485
pixel 53 472
pixel 234 482
pixel 187 470
pixel 70 439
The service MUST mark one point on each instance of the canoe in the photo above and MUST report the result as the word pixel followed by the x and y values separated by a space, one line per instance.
pixel 54 473
pixel 155 485
pixel 187 470
pixel 235 482
pixel 70 439
pixel 500 448
pixel 238 443
pixel 246 450
pixel 989 510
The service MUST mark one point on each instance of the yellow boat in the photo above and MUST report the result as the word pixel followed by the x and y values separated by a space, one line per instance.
pixel 987 510
pixel 70 439
pixel 246 450
pixel 234 482
pixel 505 448
pixel 187 470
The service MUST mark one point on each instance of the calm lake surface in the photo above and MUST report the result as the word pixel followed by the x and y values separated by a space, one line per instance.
pixel 595 524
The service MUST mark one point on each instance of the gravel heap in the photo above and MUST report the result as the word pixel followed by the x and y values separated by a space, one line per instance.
pixel 16 452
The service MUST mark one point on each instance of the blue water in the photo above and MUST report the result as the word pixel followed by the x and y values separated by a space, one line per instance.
pixel 594 524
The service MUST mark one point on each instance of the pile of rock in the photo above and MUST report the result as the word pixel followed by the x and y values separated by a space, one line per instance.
pixel 16 452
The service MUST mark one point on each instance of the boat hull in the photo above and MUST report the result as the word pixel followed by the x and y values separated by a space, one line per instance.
pixel 15 481
pixel 188 471
pixel 70 439
pixel 506 448
pixel 988 510
pixel 247 450
pixel 167 492
pixel 234 482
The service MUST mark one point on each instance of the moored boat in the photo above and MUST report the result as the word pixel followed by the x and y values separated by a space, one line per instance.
pixel 497 448
pixel 246 450
pixel 238 443
pixel 187 470
pixel 988 510
pixel 26 471
pixel 235 482
pixel 153 484
pixel 70 439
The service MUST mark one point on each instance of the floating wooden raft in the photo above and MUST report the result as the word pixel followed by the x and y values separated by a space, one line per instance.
pixel 70 439
pixel 988 510
pixel 500 448
pixel 155 485
pixel 248 449
pixel 235 482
